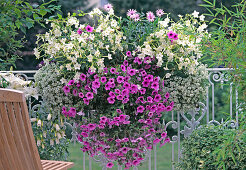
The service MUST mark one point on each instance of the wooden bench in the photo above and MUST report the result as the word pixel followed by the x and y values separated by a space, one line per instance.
pixel 18 150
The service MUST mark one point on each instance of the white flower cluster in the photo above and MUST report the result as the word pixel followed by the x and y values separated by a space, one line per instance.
pixel 181 52
pixel 49 86
pixel 75 44
pixel 186 92
pixel 17 83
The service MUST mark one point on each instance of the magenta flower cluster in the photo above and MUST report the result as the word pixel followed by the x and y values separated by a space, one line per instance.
pixel 131 123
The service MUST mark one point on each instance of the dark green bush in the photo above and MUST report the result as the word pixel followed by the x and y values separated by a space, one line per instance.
pixel 199 151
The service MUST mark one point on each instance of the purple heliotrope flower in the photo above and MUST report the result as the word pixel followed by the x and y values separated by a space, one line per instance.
pixel 150 16
pixel 159 12
pixel 79 31
pixel 128 53
pixel 89 95
pixel 89 28
pixel 108 7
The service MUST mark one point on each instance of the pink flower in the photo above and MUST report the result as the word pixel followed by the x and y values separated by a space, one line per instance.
pixel 157 140
pixel 175 36
pixel 126 85
pixel 167 95
pixel 136 17
pixel 119 97
pixel 125 63
pixel 155 85
pixel 111 100
pixel 109 165
pixel 108 7
pixel 113 70
pixel 107 86
pixel 136 162
pixel 125 92
pixel 124 150
pixel 84 134
pixel 103 79
pixel 75 92
pixel 169 108
pixel 89 28
pixel 81 95
pixel 82 77
pixel 122 118
pixel 142 90
pixel 132 72
pixel 159 12
pixel 66 89
pixel 123 68
pixel 128 53
pixel 120 79
pixel 118 111
pixel 96 84
pixel 150 16
pixel 79 31
pixel 140 109
pixel 86 101
pixel 145 83
pixel 91 126
pixel 89 95
pixel 111 94
pixel 72 112
pixel 157 98
pixel 170 34
pixel 131 12
pixel 102 134
pixel 71 82
pixel 117 91
pixel 163 135
pixel 126 100
pixel 149 99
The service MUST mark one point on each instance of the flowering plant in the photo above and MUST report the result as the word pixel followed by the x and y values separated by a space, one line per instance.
pixel 120 73
pixel 128 105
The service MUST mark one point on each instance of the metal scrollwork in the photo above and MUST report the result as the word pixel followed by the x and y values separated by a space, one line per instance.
pixel 193 123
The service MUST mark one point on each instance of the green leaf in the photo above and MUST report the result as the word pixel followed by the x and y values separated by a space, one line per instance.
pixel 59 16
pixel 28 5
pixel 42 12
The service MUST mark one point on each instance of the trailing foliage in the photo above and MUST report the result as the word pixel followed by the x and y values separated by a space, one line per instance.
pixel 201 148
pixel 49 132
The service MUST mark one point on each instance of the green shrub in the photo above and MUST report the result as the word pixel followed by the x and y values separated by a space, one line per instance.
pixel 199 150
pixel 49 133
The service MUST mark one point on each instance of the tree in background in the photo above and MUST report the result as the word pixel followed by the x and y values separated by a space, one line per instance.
pixel 16 17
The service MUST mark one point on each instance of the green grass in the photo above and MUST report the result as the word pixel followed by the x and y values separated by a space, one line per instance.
pixel 164 156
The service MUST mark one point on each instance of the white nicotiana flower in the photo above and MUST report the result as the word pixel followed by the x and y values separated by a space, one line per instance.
pixel 97 53
pixel 39 123
pixel 109 56
pixel 77 66
pixel 33 119
pixel 49 117
pixel 93 69
pixel 68 66
pixel 36 52
pixel 57 127
pixel 195 14
pixel 168 75
pixel 202 17
pixel 38 142
pixel 90 58
pixel 51 142
pixel 44 134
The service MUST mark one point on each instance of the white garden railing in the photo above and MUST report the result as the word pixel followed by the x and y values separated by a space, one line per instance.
pixel 209 112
